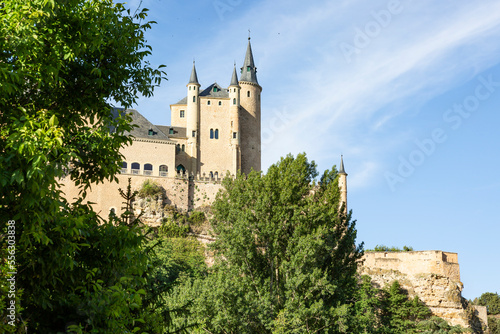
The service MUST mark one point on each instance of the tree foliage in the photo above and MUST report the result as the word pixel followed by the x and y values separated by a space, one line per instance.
pixel 61 64
pixel 491 301
pixel 285 254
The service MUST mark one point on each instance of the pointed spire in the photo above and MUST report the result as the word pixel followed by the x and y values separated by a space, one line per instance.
pixel 249 71
pixel 234 78
pixel 341 168
pixel 194 78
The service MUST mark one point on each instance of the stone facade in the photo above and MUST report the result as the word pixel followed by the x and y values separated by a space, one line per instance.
pixel 433 276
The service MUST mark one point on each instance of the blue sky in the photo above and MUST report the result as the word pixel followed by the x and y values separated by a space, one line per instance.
pixel 408 91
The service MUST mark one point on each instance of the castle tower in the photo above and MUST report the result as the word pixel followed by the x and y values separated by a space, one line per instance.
pixel 193 116
pixel 250 115
pixel 343 184
pixel 234 112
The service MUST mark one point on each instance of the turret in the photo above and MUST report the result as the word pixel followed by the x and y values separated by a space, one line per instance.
pixel 343 184
pixel 250 127
pixel 193 116
pixel 234 112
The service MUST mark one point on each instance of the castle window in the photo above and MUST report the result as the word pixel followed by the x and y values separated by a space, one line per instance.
pixel 208 102
pixel 215 89
pixel 189 87
pixel 135 167
pixel 220 103
pixel 177 148
pixel 194 134
pixel 148 169
pixel 194 98
pixel 182 113
pixel 211 175
pixel 248 68
pixel 234 135
pixel 150 132
pixel 183 148
pixel 231 123
pixel 216 133
pixel 171 131
pixel 163 170
pixel 181 169
pixel 248 93
pixel 124 167
pixel 234 101
pixel 211 133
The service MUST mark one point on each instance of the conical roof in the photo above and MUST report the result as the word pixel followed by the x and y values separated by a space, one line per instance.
pixel 249 71
pixel 234 78
pixel 341 168
pixel 194 78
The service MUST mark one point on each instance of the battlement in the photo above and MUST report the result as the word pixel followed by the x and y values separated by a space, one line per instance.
pixel 416 262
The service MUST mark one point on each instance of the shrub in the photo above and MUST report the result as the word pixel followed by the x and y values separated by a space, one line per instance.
pixel 150 189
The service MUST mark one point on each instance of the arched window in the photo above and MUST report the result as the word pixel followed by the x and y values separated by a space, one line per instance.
pixel 216 133
pixel 248 93
pixel 163 170
pixel 220 103
pixel 194 98
pixel 211 175
pixel 234 101
pixel 208 102
pixel 181 169
pixel 177 148
pixel 135 167
pixel 211 133
pixel 148 169
pixel 183 148
pixel 124 167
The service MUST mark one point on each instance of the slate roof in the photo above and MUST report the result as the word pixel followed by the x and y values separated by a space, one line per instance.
pixel 143 125
pixel 194 78
pixel 249 71
pixel 234 78
pixel 220 93
pixel 179 132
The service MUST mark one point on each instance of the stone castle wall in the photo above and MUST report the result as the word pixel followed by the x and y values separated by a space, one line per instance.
pixel 182 193
pixel 433 276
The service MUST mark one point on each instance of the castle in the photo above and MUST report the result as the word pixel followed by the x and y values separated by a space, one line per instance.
pixel 213 131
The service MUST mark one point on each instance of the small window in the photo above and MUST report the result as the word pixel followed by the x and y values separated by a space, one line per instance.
pixel 248 93
pixel 248 68
pixel 182 112
pixel 171 131
pixel 124 165
pixel 183 148
pixel 220 103
pixel 194 98
pixel 215 89
pixel 177 148
pixel 136 165
pixel 194 134
pixel 211 133
pixel 208 102
pixel 148 167
pixel 234 135
pixel 150 132
pixel 181 169
pixel 234 101
pixel 231 123
pixel 211 175
pixel 216 133
pixel 163 168
pixel 189 87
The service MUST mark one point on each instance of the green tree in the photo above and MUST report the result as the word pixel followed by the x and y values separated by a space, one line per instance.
pixel 61 64
pixel 285 252
pixel 400 314
pixel 491 301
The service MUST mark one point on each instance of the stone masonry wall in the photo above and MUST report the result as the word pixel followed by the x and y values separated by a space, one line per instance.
pixel 434 276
